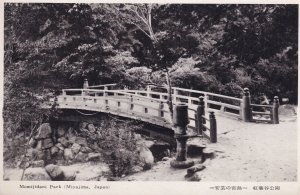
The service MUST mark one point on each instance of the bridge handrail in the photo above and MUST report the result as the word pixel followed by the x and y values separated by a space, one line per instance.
pixel 103 85
pixel 115 91
pixel 207 93
pixel 79 97
pixel 145 92
pixel 261 105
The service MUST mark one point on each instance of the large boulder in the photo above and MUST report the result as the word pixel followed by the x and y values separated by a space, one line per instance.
pixel 55 172
pixel 69 175
pixel 36 174
pixel 95 147
pixel 75 148
pixel 60 146
pixel 44 131
pixel 63 141
pixel 71 135
pixel 81 141
pixel 54 150
pixel 68 154
pixel 146 158
pixel 81 157
pixel 85 150
pixel 91 128
pixel 70 132
pixel 94 156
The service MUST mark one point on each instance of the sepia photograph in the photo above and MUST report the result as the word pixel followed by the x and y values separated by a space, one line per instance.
pixel 128 92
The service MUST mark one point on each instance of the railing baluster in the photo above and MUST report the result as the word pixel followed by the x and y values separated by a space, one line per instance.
pixel 160 111
pixel 213 127
pixel 198 116
pixel 274 111
pixel 246 113
pixel 148 90
pixel 205 100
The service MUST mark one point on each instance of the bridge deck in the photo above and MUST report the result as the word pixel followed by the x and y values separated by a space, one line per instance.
pixel 151 106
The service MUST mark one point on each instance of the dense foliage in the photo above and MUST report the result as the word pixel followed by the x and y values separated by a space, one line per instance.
pixel 217 48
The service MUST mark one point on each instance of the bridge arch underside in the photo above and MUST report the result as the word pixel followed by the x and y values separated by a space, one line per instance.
pixel 155 131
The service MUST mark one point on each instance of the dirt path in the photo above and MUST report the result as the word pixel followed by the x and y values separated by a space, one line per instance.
pixel 244 152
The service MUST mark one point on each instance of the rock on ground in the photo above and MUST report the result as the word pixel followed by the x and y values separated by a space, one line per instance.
pixel 91 128
pixel 81 157
pixel 63 141
pixel 94 156
pixel 68 154
pixel 75 148
pixel 60 146
pixel 89 171
pixel 36 174
pixel 195 169
pixel 146 157
pixel 54 150
pixel 55 172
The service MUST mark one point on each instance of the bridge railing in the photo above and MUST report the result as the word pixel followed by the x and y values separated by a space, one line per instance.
pixel 117 102
pixel 225 104
pixel 104 86
pixel 133 104
pixel 265 113
pixel 240 108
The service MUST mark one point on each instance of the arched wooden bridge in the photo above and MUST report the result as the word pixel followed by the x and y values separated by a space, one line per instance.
pixel 151 106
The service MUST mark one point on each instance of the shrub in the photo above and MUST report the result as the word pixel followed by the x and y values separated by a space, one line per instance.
pixel 119 143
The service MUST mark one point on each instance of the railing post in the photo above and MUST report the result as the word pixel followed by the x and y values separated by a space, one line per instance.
pixel 105 92
pixel 213 127
pixel 161 107
pixel 148 90
pixel 180 122
pixel 64 92
pixel 198 116
pixel 85 84
pixel 246 112
pixel 175 94
pixel 205 100
pixel 131 102
pixel 275 117
pixel 131 98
